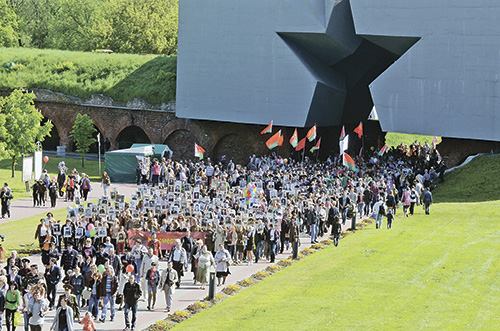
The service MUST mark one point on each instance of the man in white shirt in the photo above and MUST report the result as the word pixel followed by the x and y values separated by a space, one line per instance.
pixel 147 260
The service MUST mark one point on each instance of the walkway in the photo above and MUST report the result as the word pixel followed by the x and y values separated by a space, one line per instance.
pixel 186 295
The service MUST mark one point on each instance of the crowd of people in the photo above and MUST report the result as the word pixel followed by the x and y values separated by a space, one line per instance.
pixel 108 254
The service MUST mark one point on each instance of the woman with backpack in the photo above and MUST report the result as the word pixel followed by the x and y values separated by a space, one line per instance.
pixel 86 187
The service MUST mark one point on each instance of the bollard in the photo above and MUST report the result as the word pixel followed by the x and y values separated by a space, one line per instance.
pixel 211 286
pixel 295 248
pixel 353 220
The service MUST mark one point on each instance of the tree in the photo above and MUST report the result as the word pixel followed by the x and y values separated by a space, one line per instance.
pixel 8 26
pixel 21 123
pixel 82 132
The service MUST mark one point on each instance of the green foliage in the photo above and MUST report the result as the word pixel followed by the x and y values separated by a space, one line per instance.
pixel 81 133
pixel 394 139
pixel 124 26
pixel 21 125
pixel 476 181
pixel 119 76
pixel 8 25
pixel 436 272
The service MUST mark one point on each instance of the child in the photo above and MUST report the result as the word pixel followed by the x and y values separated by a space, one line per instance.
pixel 390 218
pixel 88 323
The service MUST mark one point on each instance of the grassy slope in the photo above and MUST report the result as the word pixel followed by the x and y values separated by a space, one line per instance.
pixel 394 139
pixel 20 234
pixel 80 74
pixel 478 180
pixel 19 188
pixel 438 272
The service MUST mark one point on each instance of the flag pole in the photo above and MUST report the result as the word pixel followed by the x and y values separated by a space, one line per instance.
pixel 362 140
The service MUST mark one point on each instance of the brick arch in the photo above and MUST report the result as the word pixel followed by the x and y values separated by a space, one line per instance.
pixel 181 142
pixel 129 135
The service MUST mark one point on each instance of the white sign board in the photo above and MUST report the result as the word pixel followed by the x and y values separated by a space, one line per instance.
pixel 27 168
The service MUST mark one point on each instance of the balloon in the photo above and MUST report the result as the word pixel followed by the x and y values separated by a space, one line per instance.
pixel 130 268
pixel 93 232
pixel 90 226
pixel 100 268
pixel 87 233
pixel 45 159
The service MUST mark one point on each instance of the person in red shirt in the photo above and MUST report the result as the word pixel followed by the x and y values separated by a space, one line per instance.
pixel 155 245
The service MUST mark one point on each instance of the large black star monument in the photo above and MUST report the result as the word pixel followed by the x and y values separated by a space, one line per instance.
pixel 343 63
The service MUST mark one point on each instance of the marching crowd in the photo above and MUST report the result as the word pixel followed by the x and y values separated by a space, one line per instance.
pixel 107 255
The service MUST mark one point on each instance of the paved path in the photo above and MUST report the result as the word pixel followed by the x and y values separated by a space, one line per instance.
pixel 187 294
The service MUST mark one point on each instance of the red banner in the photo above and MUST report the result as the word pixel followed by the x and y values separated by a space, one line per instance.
pixel 167 239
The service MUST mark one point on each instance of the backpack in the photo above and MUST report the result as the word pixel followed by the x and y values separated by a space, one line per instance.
pixel 85 184
pixel 381 210
pixel 413 195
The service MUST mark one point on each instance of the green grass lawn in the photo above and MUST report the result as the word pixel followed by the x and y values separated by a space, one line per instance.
pixel 18 186
pixel 393 139
pixel 477 181
pixel 438 272
pixel 81 74
pixel 20 234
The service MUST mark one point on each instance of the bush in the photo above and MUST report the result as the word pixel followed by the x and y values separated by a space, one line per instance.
pixel 231 289
pixel 179 316
pixel 307 251
pixel 260 275
pixel 161 325
pixel 218 298
pixel 318 246
pixel 246 282
pixel 63 66
pixel 198 306
pixel 327 242
pixel 285 262
pixel 273 268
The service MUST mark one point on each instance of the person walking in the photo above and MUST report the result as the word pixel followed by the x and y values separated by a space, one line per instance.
pixel 53 277
pixel 63 321
pixel 131 294
pixel 109 287
pixel 427 200
pixel 12 303
pixel 168 279
pixel 5 197
pixel 38 307
pixel 336 230
pixel 105 183
pixel 222 258
pixel 379 210
pixel 205 261
pixel 178 257
pixel 153 279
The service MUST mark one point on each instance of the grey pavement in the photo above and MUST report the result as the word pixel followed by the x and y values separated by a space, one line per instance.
pixel 186 295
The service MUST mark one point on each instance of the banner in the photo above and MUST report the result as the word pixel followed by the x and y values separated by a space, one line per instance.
pixel 27 168
pixel 38 165
pixel 167 239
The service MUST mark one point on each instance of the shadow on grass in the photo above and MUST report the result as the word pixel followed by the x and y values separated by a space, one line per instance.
pixel 155 79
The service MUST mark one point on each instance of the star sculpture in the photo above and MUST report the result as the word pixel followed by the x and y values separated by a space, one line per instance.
pixel 342 62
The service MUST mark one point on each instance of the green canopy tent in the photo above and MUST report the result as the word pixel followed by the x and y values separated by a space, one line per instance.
pixel 121 164
pixel 159 151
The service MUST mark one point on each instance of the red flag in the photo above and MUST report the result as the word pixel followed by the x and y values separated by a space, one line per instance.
pixel 301 144
pixel 274 140
pixel 359 129
pixel 295 139
pixel 268 129
pixel 342 134
pixel 311 134
pixel 348 162
pixel 198 151
pixel 316 146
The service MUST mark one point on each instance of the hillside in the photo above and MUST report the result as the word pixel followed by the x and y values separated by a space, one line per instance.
pixel 81 74
pixel 477 181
